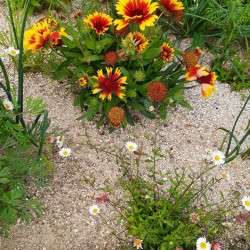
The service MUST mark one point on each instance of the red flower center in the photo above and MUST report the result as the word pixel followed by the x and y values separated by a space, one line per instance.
pixel 98 26
pixel 108 85
pixel 136 12
pixel 205 79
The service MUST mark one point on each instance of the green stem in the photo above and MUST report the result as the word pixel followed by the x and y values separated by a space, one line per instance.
pixel 13 24
pixel 45 122
pixel 8 93
pixel 7 81
pixel 235 123
pixel 20 67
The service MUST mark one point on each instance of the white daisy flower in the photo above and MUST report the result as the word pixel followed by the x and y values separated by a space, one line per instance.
pixel 246 202
pixel 94 210
pixel 8 104
pixel 12 51
pixel 218 157
pixel 202 244
pixel 138 243
pixel 226 176
pixel 131 146
pixel 59 141
pixel 194 217
pixel 65 152
pixel 50 139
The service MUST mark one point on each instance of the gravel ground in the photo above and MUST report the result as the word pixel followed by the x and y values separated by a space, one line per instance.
pixel 66 223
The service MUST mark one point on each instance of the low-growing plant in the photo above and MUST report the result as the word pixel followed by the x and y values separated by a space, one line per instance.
pixel 171 208
pixel 118 61
pixel 19 168
pixel 23 163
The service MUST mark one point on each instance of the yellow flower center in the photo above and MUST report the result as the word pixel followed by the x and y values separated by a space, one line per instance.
pixel 225 176
pixel 65 153
pixel 217 157
pixel 13 52
pixel 7 106
pixel 94 210
pixel 247 203
pixel 194 217
pixel 137 242
pixel 203 245
pixel 131 147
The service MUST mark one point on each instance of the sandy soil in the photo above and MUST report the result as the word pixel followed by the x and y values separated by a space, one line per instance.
pixel 66 222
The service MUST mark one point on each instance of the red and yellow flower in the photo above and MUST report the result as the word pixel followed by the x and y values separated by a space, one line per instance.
pixel 99 21
pixel 139 40
pixel 207 84
pixel 172 5
pixel 109 84
pixel 167 53
pixel 195 72
pixel 140 11
pixel 205 78
pixel 43 35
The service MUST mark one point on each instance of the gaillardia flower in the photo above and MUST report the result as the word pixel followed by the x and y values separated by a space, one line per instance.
pixel 167 53
pixel 43 35
pixel 116 116
pixel 99 21
pixel 140 11
pixel 157 91
pixel 195 72
pixel 110 84
pixel 139 40
pixel 172 5
pixel 207 84
pixel 83 81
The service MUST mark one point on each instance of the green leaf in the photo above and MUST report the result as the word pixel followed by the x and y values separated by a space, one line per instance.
pixel 35 3
pixel 61 74
pixel 163 111
pixel 152 53
pixel 4 180
pixel 69 43
pixel 135 105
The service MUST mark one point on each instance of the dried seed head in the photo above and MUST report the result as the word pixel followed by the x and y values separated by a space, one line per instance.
pixel 116 116
pixel 157 91
pixel 110 57
pixel 190 58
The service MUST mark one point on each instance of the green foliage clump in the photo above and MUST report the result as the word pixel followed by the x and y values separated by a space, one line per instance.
pixel 167 209
pixel 20 169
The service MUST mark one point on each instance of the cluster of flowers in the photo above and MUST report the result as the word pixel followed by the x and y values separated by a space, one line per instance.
pixel 44 34
pixel 201 244
pixel 127 39
pixel 59 141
